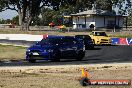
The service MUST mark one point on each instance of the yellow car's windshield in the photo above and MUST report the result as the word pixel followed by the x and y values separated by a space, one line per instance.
pixel 100 34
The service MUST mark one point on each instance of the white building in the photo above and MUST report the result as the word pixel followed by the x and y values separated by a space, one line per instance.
pixel 100 19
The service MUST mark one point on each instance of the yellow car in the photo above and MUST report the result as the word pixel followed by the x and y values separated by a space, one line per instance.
pixel 100 37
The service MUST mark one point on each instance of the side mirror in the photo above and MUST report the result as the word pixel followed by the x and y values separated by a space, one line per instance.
pixel 37 43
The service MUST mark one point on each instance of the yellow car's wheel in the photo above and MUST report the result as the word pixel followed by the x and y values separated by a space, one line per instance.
pixel 94 41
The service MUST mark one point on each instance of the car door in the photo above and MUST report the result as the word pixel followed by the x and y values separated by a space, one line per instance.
pixel 69 48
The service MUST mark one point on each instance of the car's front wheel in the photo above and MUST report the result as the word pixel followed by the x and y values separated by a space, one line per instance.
pixel 32 60
pixel 56 58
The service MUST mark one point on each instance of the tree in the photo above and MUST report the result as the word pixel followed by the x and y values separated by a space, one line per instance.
pixel 122 5
pixel 104 5
pixel 27 9
pixel 15 20
pixel 2 21
pixel 130 18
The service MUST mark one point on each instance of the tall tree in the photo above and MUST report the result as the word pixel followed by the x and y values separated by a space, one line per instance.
pixel 27 9
pixel 122 5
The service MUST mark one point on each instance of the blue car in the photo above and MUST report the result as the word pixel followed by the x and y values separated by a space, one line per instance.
pixel 54 48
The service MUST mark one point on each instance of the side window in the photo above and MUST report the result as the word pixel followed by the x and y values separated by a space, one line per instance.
pixel 92 33
pixel 69 41
pixel 98 34
pixel 55 40
pixel 44 41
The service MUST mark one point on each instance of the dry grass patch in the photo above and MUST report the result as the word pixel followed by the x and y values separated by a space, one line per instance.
pixel 55 32
pixel 17 31
pixel 59 80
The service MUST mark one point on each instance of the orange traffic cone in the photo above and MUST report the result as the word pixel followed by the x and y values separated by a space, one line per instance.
pixel 85 73
pixel 85 78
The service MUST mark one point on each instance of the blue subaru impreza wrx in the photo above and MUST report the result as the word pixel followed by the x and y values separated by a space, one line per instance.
pixel 55 48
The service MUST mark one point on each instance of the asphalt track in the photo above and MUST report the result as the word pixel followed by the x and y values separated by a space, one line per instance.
pixel 101 54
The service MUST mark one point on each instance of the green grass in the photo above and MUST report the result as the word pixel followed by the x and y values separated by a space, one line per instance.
pixel 12 52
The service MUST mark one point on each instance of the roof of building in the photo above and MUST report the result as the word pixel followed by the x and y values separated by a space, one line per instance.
pixel 96 12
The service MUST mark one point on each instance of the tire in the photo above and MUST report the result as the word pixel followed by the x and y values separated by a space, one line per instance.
pixel 85 81
pixel 56 58
pixel 89 47
pixel 93 41
pixel 80 55
pixel 32 60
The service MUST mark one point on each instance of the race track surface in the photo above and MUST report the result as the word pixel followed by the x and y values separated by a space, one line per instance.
pixel 101 54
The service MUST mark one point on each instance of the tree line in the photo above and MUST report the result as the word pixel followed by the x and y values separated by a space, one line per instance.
pixel 29 10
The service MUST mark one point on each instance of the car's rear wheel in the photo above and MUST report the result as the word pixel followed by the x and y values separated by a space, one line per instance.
pixel 80 55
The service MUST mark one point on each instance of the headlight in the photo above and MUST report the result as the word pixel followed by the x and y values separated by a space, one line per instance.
pixel 28 50
pixel 98 39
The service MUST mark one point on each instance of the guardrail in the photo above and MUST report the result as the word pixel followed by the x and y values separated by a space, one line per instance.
pixel 17 42
pixel 20 39
pixel 24 37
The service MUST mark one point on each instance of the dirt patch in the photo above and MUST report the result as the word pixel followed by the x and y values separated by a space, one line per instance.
pixel 65 76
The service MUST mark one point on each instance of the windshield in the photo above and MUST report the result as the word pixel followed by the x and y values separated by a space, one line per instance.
pixel 69 40
pixel 100 34
pixel 55 40
pixel 51 41
pixel 83 37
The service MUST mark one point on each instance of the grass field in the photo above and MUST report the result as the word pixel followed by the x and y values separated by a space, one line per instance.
pixel 71 33
pixel 9 52
pixel 17 31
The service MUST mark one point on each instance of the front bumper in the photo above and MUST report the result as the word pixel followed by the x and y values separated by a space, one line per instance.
pixel 39 55
pixel 104 41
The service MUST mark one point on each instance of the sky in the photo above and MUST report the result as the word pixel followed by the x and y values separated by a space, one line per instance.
pixel 8 14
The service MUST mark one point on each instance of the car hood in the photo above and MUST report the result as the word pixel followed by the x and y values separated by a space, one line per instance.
pixel 40 47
